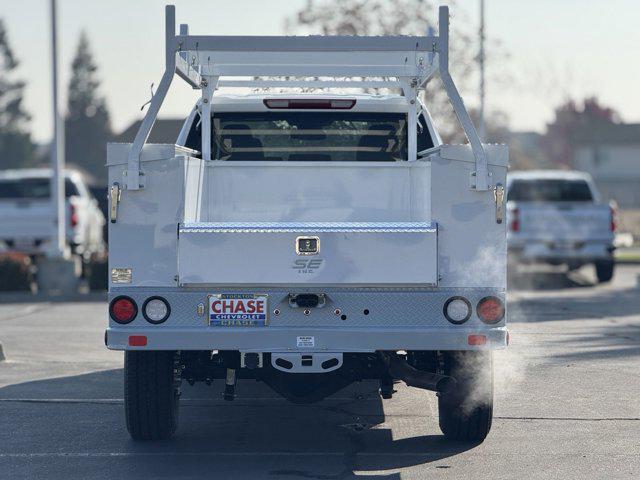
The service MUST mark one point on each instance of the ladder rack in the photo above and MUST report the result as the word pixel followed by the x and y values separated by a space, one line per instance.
pixel 403 62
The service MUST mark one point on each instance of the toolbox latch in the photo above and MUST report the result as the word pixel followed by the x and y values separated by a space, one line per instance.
pixel 498 194
pixel 115 193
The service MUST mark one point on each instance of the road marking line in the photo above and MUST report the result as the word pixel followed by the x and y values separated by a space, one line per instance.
pixel 436 455
pixel 578 419
pixel 185 401
pixel 207 402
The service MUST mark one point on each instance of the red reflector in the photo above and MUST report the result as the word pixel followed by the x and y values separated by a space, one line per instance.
pixel 515 220
pixel 123 309
pixel 137 341
pixel 614 215
pixel 310 103
pixel 473 340
pixel 490 309
pixel 74 216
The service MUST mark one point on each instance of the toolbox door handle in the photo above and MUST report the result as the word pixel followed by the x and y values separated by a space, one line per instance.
pixel 498 194
pixel 115 193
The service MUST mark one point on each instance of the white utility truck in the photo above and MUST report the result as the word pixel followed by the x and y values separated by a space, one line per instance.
pixel 307 240
pixel 557 217
pixel 25 213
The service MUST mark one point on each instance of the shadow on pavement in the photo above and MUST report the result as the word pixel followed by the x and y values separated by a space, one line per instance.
pixel 611 329
pixel 260 433
pixel 598 304
pixel 27 297
pixel 549 280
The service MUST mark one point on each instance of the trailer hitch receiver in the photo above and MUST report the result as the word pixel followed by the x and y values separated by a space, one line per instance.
pixel 307 300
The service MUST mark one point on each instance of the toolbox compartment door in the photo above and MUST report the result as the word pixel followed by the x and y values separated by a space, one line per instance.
pixel 263 253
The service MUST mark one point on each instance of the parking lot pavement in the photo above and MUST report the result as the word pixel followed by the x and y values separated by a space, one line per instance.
pixel 567 404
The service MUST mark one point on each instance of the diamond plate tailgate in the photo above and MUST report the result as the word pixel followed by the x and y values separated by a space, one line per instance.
pixel 260 253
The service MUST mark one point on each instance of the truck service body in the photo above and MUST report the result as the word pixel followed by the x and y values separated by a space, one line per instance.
pixel 307 240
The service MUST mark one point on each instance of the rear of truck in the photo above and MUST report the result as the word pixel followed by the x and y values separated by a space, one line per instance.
pixel 25 213
pixel 557 218
pixel 308 241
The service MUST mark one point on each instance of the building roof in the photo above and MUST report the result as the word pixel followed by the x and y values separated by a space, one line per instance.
pixel 21 173
pixel 165 130
pixel 608 134
pixel 548 175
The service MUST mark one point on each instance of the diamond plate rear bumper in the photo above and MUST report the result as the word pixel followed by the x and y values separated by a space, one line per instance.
pixel 375 319
pixel 269 339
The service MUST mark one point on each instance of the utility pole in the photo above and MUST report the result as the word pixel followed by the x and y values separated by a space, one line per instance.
pixel 58 244
pixel 481 129
pixel 58 271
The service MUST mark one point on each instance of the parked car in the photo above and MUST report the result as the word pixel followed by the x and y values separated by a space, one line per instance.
pixel 557 217
pixel 26 216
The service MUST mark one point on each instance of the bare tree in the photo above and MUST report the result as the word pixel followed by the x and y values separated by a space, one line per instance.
pixel 397 17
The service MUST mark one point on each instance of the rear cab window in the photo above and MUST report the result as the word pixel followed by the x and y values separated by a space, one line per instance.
pixel 550 190
pixel 33 189
pixel 309 136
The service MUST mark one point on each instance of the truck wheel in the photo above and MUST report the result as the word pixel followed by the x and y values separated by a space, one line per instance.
pixel 604 270
pixel 151 394
pixel 467 411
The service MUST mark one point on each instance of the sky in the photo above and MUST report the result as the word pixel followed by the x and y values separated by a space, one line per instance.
pixel 556 49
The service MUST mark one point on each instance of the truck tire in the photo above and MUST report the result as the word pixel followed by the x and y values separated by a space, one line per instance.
pixel 151 394
pixel 466 412
pixel 604 270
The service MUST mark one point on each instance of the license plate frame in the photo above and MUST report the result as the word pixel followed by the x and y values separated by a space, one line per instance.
pixel 238 310
pixel 564 245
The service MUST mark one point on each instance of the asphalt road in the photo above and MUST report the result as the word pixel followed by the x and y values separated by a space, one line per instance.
pixel 567 406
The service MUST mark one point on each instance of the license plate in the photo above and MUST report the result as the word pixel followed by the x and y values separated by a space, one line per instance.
pixel 564 245
pixel 238 310
pixel 23 244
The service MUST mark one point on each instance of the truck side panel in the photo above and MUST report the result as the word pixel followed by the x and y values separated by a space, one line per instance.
pixel 472 246
pixel 144 236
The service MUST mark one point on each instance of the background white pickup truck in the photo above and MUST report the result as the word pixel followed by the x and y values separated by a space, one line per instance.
pixel 25 213
pixel 557 217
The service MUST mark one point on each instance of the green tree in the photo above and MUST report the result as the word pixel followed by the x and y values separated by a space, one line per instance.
pixel 16 147
pixel 87 124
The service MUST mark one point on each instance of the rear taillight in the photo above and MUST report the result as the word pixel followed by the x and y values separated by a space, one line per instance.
pixel 74 216
pixel 123 309
pixel 309 104
pixel 514 222
pixel 614 215
pixel 490 309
